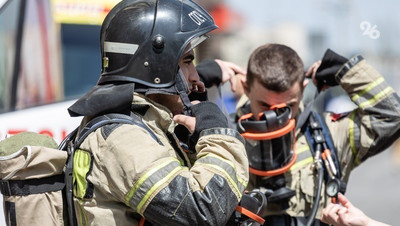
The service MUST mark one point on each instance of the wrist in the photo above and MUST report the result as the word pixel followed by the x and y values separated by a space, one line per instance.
pixel 347 66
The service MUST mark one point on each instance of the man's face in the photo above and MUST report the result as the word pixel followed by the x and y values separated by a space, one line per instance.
pixel 261 98
pixel 174 102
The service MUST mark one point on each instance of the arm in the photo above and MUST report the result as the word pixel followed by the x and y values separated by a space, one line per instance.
pixel 375 124
pixel 345 214
pixel 159 187
pixel 216 72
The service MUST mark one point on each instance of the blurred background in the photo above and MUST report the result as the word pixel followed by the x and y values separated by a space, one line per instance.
pixel 50 55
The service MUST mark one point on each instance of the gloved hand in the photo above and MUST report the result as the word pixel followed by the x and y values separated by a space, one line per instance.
pixel 208 115
pixel 330 65
pixel 200 96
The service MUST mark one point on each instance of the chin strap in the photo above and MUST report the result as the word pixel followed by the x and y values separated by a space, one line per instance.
pixel 183 90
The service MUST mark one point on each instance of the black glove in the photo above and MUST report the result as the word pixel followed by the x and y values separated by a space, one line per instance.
pixel 198 96
pixel 210 73
pixel 330 65
pixel 208 115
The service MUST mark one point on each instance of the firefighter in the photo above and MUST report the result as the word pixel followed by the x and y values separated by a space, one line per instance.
pixel 300 173
pixel 125 173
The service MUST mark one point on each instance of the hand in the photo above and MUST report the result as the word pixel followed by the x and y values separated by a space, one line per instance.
pixel 188 121
pixel 197 87
pixel 311 74
pixel 229 72
pixel 345 214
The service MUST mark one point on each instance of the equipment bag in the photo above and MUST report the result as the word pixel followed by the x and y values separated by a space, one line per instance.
pixel 36 177
pixel 31 182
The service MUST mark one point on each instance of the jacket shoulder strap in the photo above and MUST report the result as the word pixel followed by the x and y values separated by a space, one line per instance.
pixel 308 131
pixel 111 118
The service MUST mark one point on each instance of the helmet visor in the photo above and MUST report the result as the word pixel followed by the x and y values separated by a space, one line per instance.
pixel 195 42
pixel 265 155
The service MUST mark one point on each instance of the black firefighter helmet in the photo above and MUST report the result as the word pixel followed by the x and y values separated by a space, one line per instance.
pixel 142 41
pixel 141 44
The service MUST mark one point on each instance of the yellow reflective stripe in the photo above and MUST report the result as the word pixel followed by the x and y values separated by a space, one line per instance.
pixel 82 218
pixel 351 130
pixel 240 180
pixel 144 177
pixel 377 97
pixel 302 163
pixel 226 175
pixel 82 162
pixel 369 87
pixel 302 149
pixel 152 189
pixel 242 183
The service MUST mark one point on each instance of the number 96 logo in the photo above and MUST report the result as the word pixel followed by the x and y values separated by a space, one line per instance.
pixel 369 30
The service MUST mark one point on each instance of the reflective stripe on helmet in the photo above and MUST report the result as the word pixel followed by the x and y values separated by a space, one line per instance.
pixel 118 47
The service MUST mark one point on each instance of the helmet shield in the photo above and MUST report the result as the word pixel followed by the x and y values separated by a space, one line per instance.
pixel 149 38
pixel 265 155
pixel 269 140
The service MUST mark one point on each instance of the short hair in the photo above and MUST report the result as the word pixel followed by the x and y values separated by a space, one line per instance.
pixel 277 67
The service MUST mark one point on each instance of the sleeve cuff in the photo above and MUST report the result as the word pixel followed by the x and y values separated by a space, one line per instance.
pixel 347 66
pixel 223 131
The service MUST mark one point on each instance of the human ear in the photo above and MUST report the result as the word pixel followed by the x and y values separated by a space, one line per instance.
pixel 244 85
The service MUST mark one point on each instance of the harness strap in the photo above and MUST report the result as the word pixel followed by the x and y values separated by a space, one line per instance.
pixel 72 142
pixel 324 131
pixel 103 120
pixel 32 186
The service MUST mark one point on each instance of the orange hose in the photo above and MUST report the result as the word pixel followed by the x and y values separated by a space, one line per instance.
pixel 271 135
pixel 277 171
pixel 250 214
pixel 141 222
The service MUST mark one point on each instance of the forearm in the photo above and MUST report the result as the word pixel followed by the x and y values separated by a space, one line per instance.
pixel 375 124
pixel 208 192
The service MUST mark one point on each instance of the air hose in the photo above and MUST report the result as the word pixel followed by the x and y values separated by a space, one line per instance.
pixel 318 197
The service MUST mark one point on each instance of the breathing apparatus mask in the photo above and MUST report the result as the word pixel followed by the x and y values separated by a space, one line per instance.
pixel 270 143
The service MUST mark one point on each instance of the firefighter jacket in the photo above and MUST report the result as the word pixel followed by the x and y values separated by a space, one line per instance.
pixel 122 173
pixel 367 130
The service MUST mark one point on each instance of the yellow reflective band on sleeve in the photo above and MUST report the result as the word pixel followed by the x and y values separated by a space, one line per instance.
pixel 240 180
pixel 377 97
pixel 235 185
pixel 227 168
pixel 82 163
pixel 152 189
pixel 143 178
pixel 369 87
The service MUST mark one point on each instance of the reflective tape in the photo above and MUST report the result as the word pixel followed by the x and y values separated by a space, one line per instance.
pixel 369 87
pixel 140 189
pixel 377 97
pixel 227 168
pixel 82 165
pixel 118 47
pixel 304 157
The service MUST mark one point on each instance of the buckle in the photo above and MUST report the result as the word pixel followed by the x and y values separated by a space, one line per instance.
pixel 5 187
